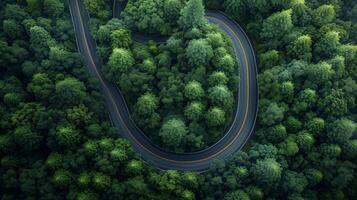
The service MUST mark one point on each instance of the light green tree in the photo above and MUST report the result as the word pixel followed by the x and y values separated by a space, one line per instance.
pixel 192 15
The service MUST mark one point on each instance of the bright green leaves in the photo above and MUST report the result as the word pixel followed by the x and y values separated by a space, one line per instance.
pixel 199 52
pixel 120 61
pixel 173 132
pixel 192 15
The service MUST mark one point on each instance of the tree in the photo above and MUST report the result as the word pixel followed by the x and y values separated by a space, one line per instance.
pixel 237 195
pixel 54 160
pixel 148 66
pixel 220 96
pixel 275 134
pixel 70 91
pixel 216 39
pixel 226 63
pixel 173 132
pixel 27 138
pixel 146 15
pixel 172 10
pixel 328 45
pixel 12 99
pixel 301 48
pixel 67 136
pixel 62 178
pixel 198 52
pixel 39 41
pixel 135 167
pixel 306 100
pixel 334 103
pixel 341 130
pixel 287 90
pixel 262 151
pixel 12 28
pixel 277 26
pixel 315 125
pixel 192 15
pixel 301 14
pixel 272 114
pixel 235 7
pixel 294 182
pixel 15 12
pixel 101 181
pixel 215 117
pixel 313 176
pixel 194 111
pixel 41 86
pixel 288 147
pixel 217 78
pixel 266 172
pixel 323 15
pixel 270 59
pixel 146 104
pixel 305 141
pixel 120 61
pixel 53 8
pixel 121 38
pixel 194 91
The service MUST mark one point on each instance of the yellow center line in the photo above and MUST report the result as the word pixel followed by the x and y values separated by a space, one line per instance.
pixel 120 117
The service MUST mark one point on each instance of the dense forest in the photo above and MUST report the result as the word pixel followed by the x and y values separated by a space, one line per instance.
pixel 180 92
pixel 57 142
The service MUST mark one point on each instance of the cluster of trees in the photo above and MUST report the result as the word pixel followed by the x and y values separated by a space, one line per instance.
pixel 56 141
pixel 152 16
pixel 305 145
pixel 181 93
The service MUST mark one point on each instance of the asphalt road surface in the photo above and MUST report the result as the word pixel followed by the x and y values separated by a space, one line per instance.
pixel 245 113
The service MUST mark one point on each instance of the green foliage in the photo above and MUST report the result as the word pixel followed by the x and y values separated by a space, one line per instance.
pixel 323 15
pixel 147 104
pixel 41 86
pixel 237 195
pixel 194 111
pixel 272 114
pixel 193 90
pixel 70 91
pixel 56 141
pixel 146 15
pixel 301 48
pixel 39 41
pixel 120 61
pixel 277 25
pixel 198 52
pixel 53 8
pixel 120 38
pixel 173 132
pixel 192 15
pixel 101 181
pixel 220 96
pixel 341 130
pixel 215 117
pixel 62 177
pixel 67 136
pixel 217 78
pixel 266 171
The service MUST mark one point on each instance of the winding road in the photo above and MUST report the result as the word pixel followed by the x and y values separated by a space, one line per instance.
pixel 244 116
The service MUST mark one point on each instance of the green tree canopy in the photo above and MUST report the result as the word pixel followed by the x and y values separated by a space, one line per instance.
pixel 194 91
pixel 199 52
pixel 120 61
pixel 70 91
pixel 215 117
pixel 173 132
pixel 192 15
